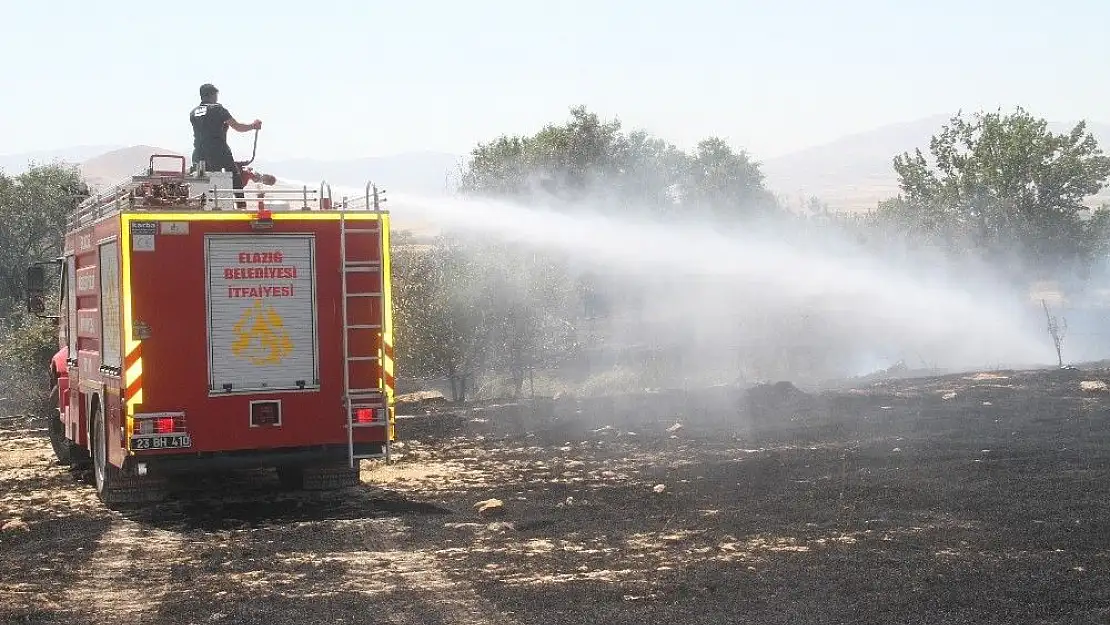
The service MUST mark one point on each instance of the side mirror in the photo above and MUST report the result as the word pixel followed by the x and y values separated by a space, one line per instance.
pixel 35 283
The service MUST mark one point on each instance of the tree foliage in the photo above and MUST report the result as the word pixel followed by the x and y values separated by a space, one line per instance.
pixel 720 180
pixel 1006 189
pixel 33 210
pixel 587 158
pixel 464 307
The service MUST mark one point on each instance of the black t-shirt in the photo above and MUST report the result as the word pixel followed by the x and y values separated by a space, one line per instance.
pixel 209 122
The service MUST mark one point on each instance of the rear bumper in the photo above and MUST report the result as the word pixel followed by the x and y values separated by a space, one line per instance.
pixel 178 463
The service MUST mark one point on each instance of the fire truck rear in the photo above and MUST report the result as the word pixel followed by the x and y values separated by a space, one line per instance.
pixel 204 329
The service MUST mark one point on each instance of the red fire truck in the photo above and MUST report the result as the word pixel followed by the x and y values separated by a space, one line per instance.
pixel 207 328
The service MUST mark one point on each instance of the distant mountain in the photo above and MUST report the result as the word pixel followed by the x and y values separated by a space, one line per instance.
pixel 852 172
pixel 855 172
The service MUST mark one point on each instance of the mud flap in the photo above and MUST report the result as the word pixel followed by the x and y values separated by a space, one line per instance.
pixel 128 489
pixel 66 451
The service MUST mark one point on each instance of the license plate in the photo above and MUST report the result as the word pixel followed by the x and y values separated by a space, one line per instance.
pixel 169 441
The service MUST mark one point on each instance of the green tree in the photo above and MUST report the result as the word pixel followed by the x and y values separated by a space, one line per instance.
pixel 466 307
pixel 34 207
pixel 648 175
pixel 532 305
pixel 1006 188
pixel 567 160
pixel 720 179
pixel 440 317
pixel 588 158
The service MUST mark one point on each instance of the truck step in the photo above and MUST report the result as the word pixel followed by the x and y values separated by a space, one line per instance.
pixel 362 230
pixel 365 401
pixel 364 326
pixel 367 294
pixel 361 358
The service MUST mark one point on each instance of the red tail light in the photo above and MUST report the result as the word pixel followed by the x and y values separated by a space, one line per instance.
pixel 364 415
pixel 159 423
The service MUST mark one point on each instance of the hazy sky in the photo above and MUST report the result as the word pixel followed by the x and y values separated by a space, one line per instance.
pixel 362 78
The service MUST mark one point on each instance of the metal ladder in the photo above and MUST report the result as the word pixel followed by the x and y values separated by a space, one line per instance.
pixel 362 396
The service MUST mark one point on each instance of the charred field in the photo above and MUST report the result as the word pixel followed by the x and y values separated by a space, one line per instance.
pixel 968 498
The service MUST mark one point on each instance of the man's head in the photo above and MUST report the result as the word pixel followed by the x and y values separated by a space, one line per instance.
pixel 208 92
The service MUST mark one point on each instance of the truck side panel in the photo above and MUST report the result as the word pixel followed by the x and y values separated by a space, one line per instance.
pixel 92 328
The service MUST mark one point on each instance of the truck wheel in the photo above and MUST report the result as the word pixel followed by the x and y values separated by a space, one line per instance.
pixel 103 476
pixel 113 486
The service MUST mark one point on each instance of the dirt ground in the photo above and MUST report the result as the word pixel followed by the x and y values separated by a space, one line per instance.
pixel 968 498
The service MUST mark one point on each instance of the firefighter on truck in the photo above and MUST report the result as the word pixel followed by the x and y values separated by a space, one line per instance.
pixel 210 121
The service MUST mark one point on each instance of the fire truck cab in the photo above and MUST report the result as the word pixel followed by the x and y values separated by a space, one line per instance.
pixel 204 328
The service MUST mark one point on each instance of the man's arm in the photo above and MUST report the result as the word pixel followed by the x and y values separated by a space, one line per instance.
pixel 242 127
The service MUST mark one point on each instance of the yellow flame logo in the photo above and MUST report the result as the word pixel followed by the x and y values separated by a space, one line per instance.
pixel 260 336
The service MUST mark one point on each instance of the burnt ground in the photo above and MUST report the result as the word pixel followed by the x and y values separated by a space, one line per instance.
pixel 959 499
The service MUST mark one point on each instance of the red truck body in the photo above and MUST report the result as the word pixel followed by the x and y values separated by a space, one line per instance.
pixel 196 335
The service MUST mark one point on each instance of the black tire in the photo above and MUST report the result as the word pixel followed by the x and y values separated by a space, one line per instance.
pixel 103 479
